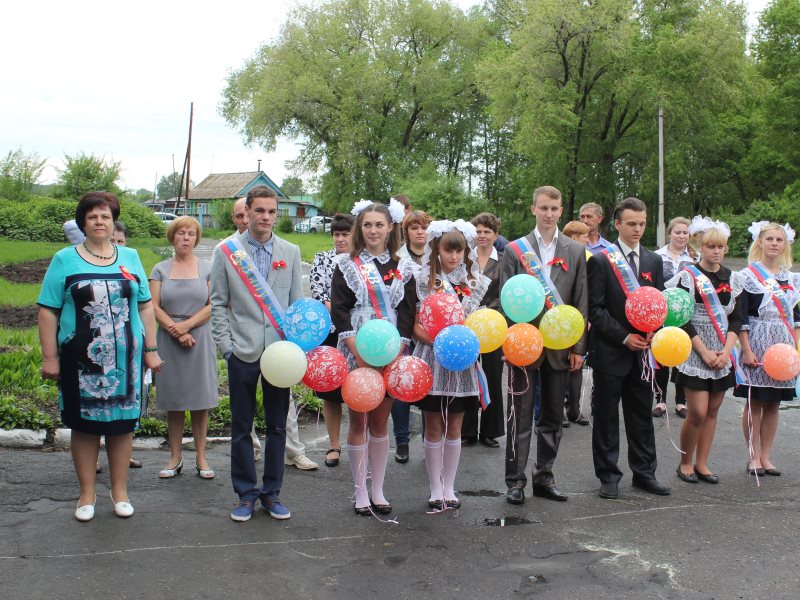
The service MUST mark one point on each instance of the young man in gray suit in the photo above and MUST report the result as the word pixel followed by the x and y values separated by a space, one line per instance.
pixel 563 262
pixel 242 330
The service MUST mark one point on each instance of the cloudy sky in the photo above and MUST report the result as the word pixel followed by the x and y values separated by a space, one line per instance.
pixel 117 80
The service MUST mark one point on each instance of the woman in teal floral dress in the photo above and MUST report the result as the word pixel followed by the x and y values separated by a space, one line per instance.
pixel 97 332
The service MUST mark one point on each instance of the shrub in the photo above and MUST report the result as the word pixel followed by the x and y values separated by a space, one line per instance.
pixel 15 417
pixel 152 427
pixel 222 213
pixel 285 225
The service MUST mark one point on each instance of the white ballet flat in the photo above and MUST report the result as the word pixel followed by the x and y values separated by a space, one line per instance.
pixel 122 509
pixel 86 512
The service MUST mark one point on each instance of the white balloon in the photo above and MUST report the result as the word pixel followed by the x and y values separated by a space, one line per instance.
pixel 283 364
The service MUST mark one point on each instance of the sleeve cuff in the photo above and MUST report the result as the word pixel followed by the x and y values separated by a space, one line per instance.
pixel 346 334
pixel 626 339
pixel 745 328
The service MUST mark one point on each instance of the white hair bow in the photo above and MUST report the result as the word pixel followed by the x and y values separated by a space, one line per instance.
pixel 702 224
pixel 757 226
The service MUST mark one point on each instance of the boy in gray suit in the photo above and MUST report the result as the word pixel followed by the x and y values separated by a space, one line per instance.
pixel 242 330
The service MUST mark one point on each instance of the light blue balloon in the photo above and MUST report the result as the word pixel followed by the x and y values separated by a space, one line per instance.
pixel 456 347
pixel 797 388
pixel 378 342
pixel 522 298
pixel 307 323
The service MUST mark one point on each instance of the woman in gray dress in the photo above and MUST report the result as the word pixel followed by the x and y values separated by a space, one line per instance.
pixel 188 379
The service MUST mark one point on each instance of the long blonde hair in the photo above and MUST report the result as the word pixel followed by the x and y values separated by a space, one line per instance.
pixel 756 252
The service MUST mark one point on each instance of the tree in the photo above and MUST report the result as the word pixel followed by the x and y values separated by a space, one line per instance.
pixel 293 186
pixel 372 88
pixel 86 173
pixel 140 195
pixel 19 172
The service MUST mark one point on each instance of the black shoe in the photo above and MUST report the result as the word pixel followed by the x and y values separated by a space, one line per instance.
pixel 652 486
pixel 583 421
pixel 549 491
pixel 489 442
pixel 687 477
pixel 454 504
pixel 469 441
pixel 708 478
pixel 515 495
pixel 363 511
pixel 401 453
pixel 757 471
pixel 564 422
pixel 609 490
pixel 382 509
pixel 773 471
pixel 436 504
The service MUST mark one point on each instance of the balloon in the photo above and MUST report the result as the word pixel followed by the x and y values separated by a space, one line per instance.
pixel 327 369
pixel 671 346
pixel 523 345
pixel 378 342
pixel 797 388
pixel 680 307
pixel 363 390
pixel 283 364
pixel 490 327
pixel 781 362
pixel 522 298
pixel 438 311
pixel 456 348
pixel 646 308
pixel 307 323
pixel 562 327
pixel 408 378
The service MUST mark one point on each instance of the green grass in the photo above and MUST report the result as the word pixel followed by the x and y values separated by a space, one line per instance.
pixel 18 294
pixel 12 251
pixel 310 243
pixel 19 337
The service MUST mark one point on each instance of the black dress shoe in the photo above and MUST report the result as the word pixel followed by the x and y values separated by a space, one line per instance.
pixel 436 504
pixel 401 453
pixel 652 486
pixel 515 495
pixel 773 471
pixel 687 477
pixel 581 421
pixel 453 504
pixel 469 441
pixel 609 490
pixel 708 478
pixel 489 442
pixel 549 491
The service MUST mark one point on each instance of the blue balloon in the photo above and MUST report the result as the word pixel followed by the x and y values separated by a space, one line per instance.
pixel 522 298
pixel 378 342
pixel 456 347
pixel 307 323
pixel 797 388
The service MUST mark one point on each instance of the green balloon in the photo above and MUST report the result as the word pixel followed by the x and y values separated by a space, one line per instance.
pixel 680 307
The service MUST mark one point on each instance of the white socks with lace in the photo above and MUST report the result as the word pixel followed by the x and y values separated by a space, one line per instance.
pixel 378 456
pixel 358 467
pixel 433 462
pixel 452 454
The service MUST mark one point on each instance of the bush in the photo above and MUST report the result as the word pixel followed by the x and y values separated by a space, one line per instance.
pixel 222 213
pixel 15 417
pixel 152 427
pixel 42 219
pixel 285 225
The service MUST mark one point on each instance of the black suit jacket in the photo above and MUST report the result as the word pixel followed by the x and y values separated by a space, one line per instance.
pixel 610 326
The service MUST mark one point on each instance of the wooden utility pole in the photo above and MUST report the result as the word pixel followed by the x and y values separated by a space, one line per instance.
pixel 661 235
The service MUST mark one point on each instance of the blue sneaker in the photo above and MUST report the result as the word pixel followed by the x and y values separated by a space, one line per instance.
pixel 276 510
pixel 243 511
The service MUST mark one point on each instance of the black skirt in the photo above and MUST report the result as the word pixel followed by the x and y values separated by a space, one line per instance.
pixel 700 384
pixel 765 394
pixel 440 404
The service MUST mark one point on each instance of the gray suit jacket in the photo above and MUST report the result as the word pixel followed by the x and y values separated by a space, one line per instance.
pixel 572 286
pixel 237 322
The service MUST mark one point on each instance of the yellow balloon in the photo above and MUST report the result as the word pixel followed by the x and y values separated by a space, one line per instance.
pixel 561 327
pixel 671 346
pixel 490 327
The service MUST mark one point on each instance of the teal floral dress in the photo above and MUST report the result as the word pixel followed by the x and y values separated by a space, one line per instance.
pixel 100 339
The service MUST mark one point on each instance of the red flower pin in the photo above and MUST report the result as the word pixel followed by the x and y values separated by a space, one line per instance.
pixel 126 274
pixel 279 264
pixel 787 287
pixel 559 262
pixel 463 290
pixel 392 274
pixel 648 276
pixel 724 287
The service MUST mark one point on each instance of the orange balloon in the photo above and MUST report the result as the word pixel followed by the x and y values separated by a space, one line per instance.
pixel 363 390
pixel 671 346
pixel 781 362
pixel 523 345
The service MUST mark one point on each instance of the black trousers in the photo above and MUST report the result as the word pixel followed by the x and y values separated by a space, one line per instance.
pixel 637 400
pixel 492 420
pixel 572 405
pixel 662 381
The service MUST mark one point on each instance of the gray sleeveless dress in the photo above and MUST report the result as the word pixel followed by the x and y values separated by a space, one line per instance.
pixel 188 379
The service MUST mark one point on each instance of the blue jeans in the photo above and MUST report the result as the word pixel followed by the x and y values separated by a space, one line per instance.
pixel 401 412
pixel 243 378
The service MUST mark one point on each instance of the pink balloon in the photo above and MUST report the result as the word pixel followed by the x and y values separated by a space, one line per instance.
pixel 781 362
pixel 363 390
pixel 438 311
pixel 408 378
pixel 646 309
pixel 327 369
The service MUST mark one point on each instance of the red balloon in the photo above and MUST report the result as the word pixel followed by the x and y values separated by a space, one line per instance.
pixel 781 362
pixel 363 390
pixel 438 311
pixel 327 369
pixel 646 309
pixel 408 378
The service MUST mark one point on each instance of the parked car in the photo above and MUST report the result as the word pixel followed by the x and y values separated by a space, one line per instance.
pixel 314 225
pixel 166 217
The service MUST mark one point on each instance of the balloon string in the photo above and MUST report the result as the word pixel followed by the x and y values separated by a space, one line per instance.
pixel 511 421
pixel 444 412
pixel 751 450
pixel 649 375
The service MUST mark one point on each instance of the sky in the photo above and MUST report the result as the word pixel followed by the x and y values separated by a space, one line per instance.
pixel 116 80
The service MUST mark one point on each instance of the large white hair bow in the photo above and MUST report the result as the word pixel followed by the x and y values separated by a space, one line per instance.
pixel 702 224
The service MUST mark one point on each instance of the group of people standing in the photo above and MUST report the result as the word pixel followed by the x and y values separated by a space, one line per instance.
pixel 386 260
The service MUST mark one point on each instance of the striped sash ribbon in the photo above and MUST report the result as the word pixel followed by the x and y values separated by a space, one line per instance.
pixel 779 296
pixel 533 266
pixel 378 294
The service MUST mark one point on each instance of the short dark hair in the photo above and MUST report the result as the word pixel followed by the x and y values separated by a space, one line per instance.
pixel 120 226
pixel 91 200
pixel 342 222
pixel 488 220
pixel 260 191
pixel 633 204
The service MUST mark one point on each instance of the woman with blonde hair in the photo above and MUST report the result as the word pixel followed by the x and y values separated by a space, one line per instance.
pixel 770 316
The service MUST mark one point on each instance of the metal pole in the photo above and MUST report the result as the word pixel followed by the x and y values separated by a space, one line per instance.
pixel 661 235
pixel 189 155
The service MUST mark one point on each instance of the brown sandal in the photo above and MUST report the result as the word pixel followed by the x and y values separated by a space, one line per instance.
pixel 333 462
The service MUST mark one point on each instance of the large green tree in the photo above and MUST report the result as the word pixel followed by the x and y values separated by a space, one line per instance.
pixel 19 172
pixel 86 173
pixel 169 186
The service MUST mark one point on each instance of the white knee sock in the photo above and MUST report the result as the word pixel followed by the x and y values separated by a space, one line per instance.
pixel 452 453
pixel 433 462
pixel 358 467
pixel 378 456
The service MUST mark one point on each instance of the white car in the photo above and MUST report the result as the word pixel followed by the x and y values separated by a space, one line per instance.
pixel 166 217
pixel 314 225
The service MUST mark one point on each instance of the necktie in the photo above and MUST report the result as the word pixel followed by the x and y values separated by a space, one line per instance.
pixel 632 262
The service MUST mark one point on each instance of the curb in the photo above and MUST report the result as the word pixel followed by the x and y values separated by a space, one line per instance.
pixel 22 438
pixel 28 438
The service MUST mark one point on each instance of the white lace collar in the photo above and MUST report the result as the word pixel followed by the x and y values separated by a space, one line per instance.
pixel 457 275
pixel 381 258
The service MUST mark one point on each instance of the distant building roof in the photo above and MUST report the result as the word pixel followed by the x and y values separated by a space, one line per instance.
pixel 232 185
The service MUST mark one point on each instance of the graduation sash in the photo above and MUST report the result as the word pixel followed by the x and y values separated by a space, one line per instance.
pixel 622 270
pixel 533 266
pixel 377 292
pixel 779 296
pixel 256 284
